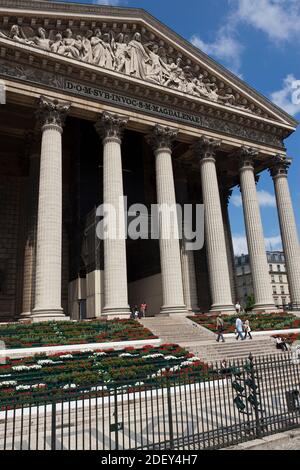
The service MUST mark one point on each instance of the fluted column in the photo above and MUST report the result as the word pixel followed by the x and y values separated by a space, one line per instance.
pixel 173 302
pixel 30 226
pixel 226 194
pixel 206 149
pixel 255 235
pixel 110 127
pixel 190 293
pixel 288 228
pixel 51 114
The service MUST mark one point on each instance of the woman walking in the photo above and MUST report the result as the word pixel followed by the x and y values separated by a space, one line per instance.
pixel 220 329
pixel 247 329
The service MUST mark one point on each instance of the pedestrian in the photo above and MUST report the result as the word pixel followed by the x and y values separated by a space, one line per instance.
pixel 136 312
pixel 132 313
pixel 281 344
pixel 247 329
pixel 143 309
pixel 239 329
pixel 220 329
pixel 238 307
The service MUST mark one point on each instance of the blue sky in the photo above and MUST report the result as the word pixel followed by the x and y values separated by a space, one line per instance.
pixel 260 41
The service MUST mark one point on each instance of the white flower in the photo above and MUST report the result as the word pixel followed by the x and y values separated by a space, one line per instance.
pixel 128 355
pixel 25 368
pixel 67 387
pixel 153 356
pixel 100 354
pixel 66 356
pixel 38 386
pixel 23 387
pixel 171 358
pixel 46 362
pixel 194 359
pixel 8 383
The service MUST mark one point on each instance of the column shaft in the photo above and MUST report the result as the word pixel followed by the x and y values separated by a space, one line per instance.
pixel 255 236
pixel 288 228
pixel 173 302
pixel 214 228
pixel 115 265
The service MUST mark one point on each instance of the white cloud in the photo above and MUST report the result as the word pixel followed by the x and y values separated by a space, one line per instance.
pixel 241 248
pixel 279 19
pixel 265 199
pixel 225 48
pixel 284 97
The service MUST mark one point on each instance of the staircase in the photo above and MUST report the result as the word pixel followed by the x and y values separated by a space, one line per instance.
pixel 202 342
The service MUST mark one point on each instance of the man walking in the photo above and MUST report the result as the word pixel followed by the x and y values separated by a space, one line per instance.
pixel 239 329
pixel 220 329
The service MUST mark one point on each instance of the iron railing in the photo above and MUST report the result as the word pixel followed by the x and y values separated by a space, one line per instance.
pixel 173 410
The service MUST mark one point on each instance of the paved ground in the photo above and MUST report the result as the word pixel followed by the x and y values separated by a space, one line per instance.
pixel 285 441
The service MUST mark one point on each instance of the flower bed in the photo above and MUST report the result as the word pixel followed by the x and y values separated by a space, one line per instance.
pixel 258 322
pixel 41 377
pixel 71 333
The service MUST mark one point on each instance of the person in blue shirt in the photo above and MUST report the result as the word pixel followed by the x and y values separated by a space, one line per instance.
pixel 239 329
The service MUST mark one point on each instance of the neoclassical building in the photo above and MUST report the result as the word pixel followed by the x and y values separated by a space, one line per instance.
pixel 104 102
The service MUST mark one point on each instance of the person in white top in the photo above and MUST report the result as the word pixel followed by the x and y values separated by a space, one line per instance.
pixel 238 307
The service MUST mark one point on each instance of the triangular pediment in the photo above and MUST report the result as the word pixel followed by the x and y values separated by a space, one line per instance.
pixel 131 44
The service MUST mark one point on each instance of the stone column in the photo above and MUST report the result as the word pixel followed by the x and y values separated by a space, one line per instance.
pixel 30 226
pixel 173 302
pixel 190 293
pixel 51 115
pixel 255 235
pixel 110 128
pixel 226 194
pixel 288 228
pixel 206 149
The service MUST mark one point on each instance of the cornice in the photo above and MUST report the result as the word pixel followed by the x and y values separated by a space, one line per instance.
pixel 97 12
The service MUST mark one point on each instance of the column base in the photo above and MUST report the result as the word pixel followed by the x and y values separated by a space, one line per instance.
pixel 178 310
pixel 48 315
pixel 25 316
pixel 268 308
pixel 226 309
pixel 111 312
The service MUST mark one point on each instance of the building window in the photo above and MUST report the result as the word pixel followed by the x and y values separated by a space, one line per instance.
pixel 282 289
pixel 274 290
pixel 273 279
pixel 278 268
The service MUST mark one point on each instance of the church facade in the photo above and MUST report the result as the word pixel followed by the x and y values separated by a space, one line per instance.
pixel 105 102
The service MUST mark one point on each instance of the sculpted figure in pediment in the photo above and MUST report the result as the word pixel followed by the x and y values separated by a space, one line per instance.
pixel 16 34
pixel 109 57
pixel 87 50
pixel 138 57
pixel 57 45
pixel 156 68
pixel 121 53
pixel 98 48
pixel 70 45
pixel 41 40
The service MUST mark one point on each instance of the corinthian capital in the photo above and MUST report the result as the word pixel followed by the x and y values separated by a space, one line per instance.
pixel 206 147
pixel 246 156
pixel 162 137
pixel 111 126
pixel 52 112
pixel 279 166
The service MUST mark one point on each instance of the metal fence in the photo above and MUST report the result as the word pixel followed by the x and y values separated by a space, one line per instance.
pixel 232 403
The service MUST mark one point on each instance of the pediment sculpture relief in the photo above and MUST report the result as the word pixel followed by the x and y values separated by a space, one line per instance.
pixel 130 55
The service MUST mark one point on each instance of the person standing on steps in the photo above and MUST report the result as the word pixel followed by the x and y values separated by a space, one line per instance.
pixel 239 329
pixel 220 329
pixel 247 329
pixel 238 307
pixel 143 309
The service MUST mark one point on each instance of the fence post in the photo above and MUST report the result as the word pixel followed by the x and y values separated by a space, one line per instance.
pixel 170 417
pixel 255 396
pixel 53 426
pixel 116 418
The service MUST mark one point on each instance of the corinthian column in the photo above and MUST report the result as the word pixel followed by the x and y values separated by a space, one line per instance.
pixel 288 228
pixel 255 235
pixel 51 115
pixel 187 256
pixel 110 127
pixel 214 228
pixel 173 302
